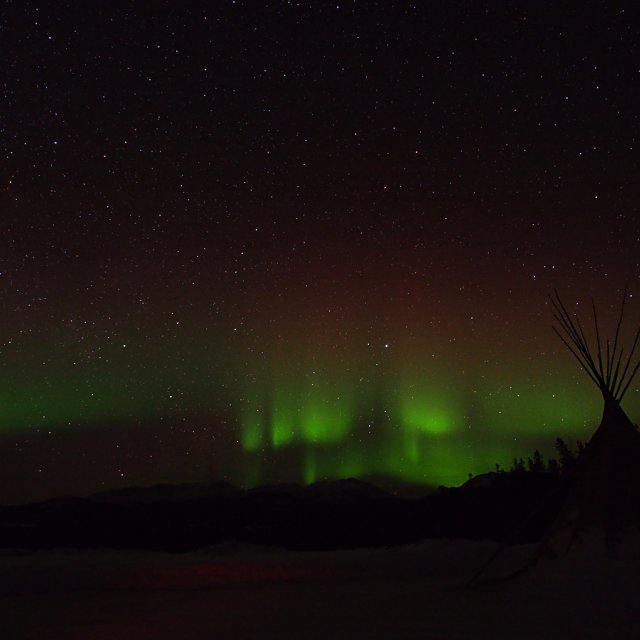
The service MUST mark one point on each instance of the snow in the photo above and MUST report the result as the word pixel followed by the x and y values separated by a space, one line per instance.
pixel 238 591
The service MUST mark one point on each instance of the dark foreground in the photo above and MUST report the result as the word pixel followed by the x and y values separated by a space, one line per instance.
pixel 237 592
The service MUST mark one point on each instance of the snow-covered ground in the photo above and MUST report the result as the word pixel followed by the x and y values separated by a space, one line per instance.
pixel 231 591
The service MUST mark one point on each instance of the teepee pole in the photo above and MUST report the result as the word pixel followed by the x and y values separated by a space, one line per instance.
pixel 626 386
pixel 578 338
pixel 616 392
pixel 595 322
pixel 615 339
pixel 565 322
pixel 614 381
pixel 576 356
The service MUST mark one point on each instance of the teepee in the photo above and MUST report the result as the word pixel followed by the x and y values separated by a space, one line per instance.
pixel 603 501
pixel 604 498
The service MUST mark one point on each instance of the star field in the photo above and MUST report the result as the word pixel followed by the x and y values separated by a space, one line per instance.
pixel 285 241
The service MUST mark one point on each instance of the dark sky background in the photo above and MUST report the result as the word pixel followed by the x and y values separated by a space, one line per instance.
pixel 281 241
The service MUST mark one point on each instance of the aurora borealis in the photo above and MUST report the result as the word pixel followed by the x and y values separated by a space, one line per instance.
pixel 282 242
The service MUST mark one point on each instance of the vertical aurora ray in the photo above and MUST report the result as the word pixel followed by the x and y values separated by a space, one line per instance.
pixel 253 429
pixel 427 414
pixel 283 420
pixel 310 467
pixel 326 416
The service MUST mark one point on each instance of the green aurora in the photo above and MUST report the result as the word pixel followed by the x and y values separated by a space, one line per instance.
pixel 309 421
pixel 421 433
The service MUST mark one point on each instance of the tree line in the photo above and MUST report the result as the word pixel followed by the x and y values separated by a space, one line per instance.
pixel 536 464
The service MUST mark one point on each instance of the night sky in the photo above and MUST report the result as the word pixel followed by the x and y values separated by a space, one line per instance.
pixel 282 241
